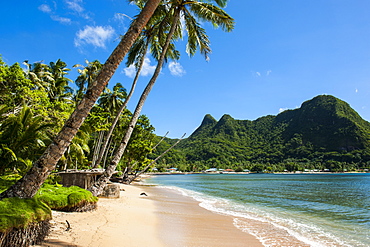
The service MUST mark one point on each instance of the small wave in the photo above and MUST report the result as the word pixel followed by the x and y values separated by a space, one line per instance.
pixel 269 227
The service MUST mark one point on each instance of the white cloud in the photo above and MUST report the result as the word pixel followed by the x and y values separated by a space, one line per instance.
pixel 258 74
pixel 176 69
pixel 130 71
pixel 268 72
pixel 282 109
pixel 45 8
pixel 96 36
pixel 62 20
pixel 75 5
pixel 356 90
pixel 145 71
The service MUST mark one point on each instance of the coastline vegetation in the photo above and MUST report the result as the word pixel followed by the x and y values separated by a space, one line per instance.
pixel 324 134
pixel 42 119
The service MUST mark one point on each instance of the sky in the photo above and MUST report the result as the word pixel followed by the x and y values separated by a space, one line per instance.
pixel 280 54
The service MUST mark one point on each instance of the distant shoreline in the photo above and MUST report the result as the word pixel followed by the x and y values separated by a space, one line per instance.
pixel 217 173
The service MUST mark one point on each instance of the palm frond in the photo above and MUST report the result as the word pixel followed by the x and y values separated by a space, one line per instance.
pixel 211 13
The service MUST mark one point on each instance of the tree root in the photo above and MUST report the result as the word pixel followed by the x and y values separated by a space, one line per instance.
pixel 35 233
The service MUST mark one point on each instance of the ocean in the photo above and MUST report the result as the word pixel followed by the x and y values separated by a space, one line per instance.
pixel 285 209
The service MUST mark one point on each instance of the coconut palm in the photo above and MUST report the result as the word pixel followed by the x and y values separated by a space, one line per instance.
pixel 150 36
pixel 87 76
pixel 21 138
pixel 192 11
pixel 112 100
pixel 39 73
pixel 75 155
pixel 60 89
pixel 29 184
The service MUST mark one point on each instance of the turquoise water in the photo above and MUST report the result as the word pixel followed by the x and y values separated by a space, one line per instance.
pixel 285 209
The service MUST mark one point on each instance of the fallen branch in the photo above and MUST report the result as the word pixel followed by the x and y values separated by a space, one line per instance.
pixel 68 226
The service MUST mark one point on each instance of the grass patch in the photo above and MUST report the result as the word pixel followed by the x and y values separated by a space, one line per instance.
pixel 55 195
pixel 62 198
pixel 20 213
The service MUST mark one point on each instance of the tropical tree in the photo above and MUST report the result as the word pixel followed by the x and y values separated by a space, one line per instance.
pixel 113 99
pixel 192 11
pixel 110 101
pixel 150 36
pixel 87 76
pixel 60 90
pixel 29 184
pixel 76 154
pixel 39 73
pixel 21 138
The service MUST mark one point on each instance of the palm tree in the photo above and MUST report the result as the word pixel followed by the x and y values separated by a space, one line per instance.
pixel 39 73
pixel 75 157
pixel 111 101
pixel 149 37
pixel 29 184
pixel 87 76
pixel 197 38
pixel 21 137
pixel 60 89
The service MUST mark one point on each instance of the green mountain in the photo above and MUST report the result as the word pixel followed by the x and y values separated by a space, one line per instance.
pixel 324 133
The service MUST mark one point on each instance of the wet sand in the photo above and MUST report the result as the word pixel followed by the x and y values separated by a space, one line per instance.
pixel 162 218
pixel 184 223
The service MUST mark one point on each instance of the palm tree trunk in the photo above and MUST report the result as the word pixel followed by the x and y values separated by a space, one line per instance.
pixel 97 146
pixel 28 185
pixel 98 186
pixel 111 129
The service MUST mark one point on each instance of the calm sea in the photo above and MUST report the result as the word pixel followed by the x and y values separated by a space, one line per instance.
pixel 285 209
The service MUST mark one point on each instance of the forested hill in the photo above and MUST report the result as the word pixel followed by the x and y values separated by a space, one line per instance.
pixel 325 132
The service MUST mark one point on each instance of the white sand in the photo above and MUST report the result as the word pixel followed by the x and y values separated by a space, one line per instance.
pixel 127 221
pixel 162 218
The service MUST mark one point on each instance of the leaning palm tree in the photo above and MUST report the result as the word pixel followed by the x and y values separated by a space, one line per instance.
pixel 149 37
pixel 192 11
pixel 29 184
pixel 112 101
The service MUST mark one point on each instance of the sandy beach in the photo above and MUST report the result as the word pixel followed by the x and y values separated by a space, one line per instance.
pixel 162 218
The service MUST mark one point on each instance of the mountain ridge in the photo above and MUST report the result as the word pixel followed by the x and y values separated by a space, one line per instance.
pixel 322 130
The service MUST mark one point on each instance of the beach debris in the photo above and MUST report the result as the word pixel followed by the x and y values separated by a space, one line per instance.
pixel 68 226
pixel 143 194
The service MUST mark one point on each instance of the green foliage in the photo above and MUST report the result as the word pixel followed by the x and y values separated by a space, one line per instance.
pixel 35 103
pixel 19 213
pixel 7 180
pixel 16 212
pixel 325 133
pixel 53 194
pixel 58 197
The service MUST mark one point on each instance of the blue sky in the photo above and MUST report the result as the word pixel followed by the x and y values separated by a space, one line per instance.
pixel 280 54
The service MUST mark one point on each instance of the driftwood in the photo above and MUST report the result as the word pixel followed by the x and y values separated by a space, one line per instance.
pixel 155 160
pixel 35 233
pixel 68 226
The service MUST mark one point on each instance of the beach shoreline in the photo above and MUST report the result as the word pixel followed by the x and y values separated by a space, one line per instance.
pixel 161 217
